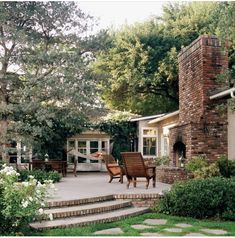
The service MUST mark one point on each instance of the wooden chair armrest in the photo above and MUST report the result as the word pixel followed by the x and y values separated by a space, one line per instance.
pixel 113 165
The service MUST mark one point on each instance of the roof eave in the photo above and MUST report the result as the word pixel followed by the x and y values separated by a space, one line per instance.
pixel 223 94
pixel 164 117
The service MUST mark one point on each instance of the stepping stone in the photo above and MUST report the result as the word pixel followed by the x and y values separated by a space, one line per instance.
pixel 140 226
pixel 173 229
pixel 215 231
pixel 183 225
pixel 112 231
pixel 151 234
pixel 155 221
pixel 195 234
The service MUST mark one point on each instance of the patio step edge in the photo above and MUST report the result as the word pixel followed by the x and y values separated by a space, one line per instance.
pixel 84 210
pixel 88 220
pixel 81 201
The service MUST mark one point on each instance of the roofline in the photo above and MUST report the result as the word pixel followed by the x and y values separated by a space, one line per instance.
pixel 224 93
pixel 147 117
pixel 171 114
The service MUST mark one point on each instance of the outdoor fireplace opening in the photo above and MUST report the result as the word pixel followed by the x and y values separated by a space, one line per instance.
pixel 179 156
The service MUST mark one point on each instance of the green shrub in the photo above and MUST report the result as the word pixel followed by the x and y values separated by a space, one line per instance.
pixel 226 167
pixel 162 160
pixel 196 163
pixel 20 202
pixel 208 171
pixel 200 198
pixel 40 175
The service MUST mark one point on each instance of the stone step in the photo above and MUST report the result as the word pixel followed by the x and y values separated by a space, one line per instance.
pixel 91 219
pixel 81 201
pixel 84 210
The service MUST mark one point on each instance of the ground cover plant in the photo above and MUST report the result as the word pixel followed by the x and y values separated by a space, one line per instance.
pixel 126 224
pixel 201 198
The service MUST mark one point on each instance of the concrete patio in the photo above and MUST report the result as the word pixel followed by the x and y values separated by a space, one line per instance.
pixel 93 184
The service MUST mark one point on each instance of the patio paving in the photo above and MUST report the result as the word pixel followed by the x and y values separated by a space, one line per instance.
pixel 94 184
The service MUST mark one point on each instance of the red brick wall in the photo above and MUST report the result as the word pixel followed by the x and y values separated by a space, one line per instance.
pixel 202 127
pixel 171 174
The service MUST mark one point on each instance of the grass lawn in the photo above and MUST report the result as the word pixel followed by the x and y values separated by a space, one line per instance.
pixel 125 225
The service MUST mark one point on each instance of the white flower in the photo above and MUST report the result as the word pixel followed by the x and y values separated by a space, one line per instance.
pixel 25 204
pixel 43 204
pixel 30 199
pixel 26 184
pixel 40 211
pixel 31 177
pixel 51 216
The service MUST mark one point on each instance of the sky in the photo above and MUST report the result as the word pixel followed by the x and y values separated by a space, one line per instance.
pixel 116 13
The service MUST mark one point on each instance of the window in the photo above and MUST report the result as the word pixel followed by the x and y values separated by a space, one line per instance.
pixel 94 147
pixel 149 146
pixel 149 143
pixel 82 148
pixel 86 146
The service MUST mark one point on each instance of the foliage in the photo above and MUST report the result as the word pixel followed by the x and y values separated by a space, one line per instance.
pixel 46 87
pixel 200 198
pixel 163 160
pixel 196 163
pixel 40 175
pixel 122 132
pixel 20 202
pixel 226 167
pixel 139 67
pixel 211 170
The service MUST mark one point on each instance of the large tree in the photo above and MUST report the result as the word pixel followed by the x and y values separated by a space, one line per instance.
pixel 45 87
pixel 139 71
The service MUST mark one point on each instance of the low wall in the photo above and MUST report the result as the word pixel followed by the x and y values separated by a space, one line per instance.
pixel 170 174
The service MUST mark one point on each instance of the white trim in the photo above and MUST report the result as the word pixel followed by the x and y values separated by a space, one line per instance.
pixel 223 93
pixel 142 136
pixel 147 117
pixel 164 117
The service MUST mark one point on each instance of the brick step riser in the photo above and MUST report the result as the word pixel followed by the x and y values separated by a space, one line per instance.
pixel 84 201
pixel 90 211
pixel 105 220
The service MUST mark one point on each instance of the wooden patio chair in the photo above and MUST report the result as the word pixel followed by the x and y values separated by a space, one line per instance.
pixel 113 168
pixel 136 168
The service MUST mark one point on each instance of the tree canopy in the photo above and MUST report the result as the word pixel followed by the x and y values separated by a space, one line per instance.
pixel 45 84
pixel 138 71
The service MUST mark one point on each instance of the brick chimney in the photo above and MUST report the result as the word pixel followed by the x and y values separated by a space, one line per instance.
pixel 202 128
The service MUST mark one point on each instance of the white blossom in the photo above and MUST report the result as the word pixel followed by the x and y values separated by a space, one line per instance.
pixel 25 204
pixel 40 211
pixel 51 216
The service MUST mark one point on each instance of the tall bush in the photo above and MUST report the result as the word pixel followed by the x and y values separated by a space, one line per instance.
pixel 201 198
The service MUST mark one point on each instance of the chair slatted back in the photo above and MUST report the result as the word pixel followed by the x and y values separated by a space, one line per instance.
pixel 134 164
pixel 109 159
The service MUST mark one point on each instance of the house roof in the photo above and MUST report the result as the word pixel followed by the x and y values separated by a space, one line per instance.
pixel 147 117
pixel 228 92
pixel 165 116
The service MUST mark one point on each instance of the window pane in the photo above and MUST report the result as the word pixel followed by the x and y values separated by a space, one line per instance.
pixel 81 160
pixel 149 132
pixel 149 146
pixel 94 144
pixel 71 144
pixel 81 143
